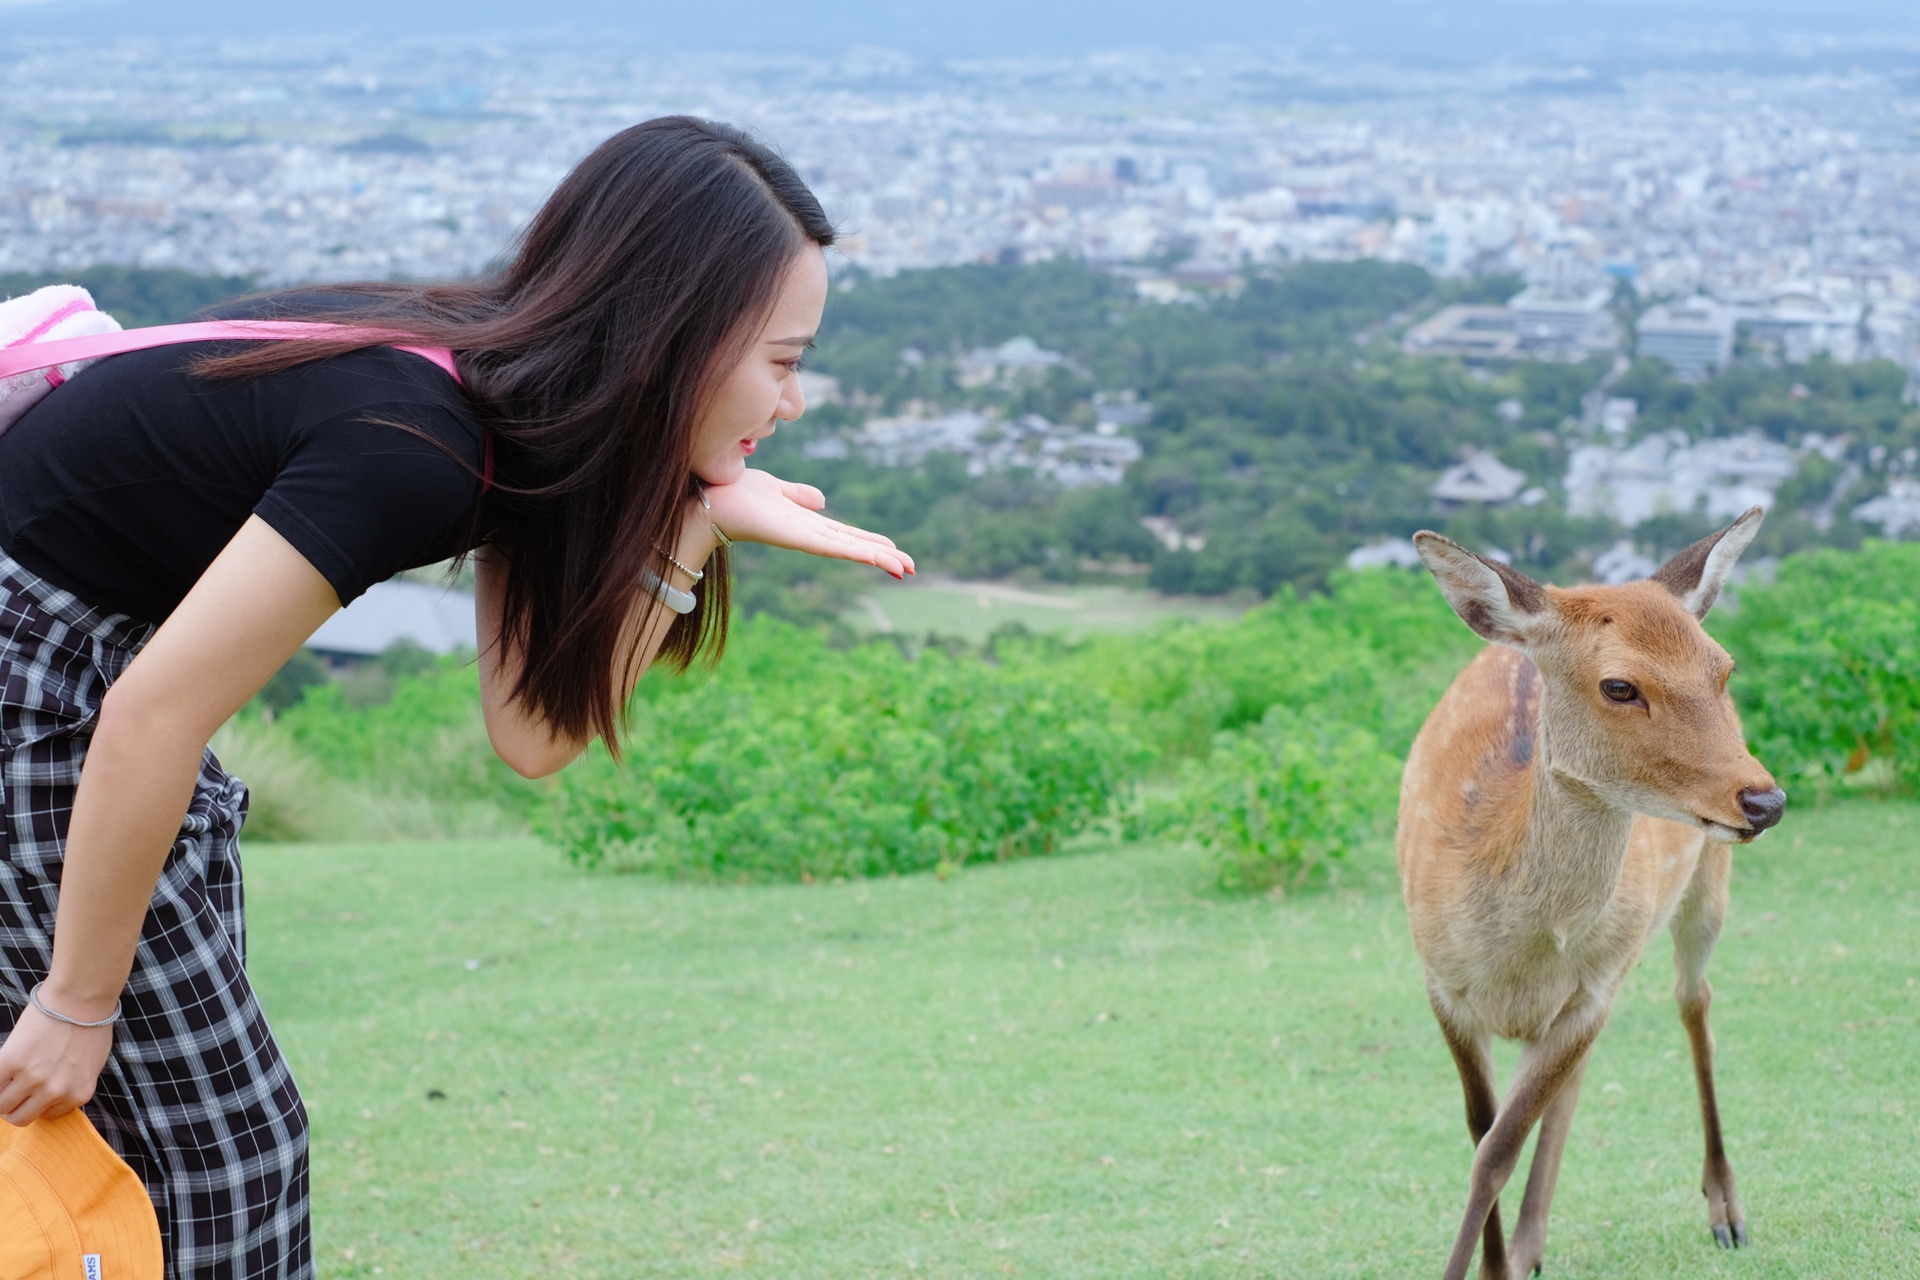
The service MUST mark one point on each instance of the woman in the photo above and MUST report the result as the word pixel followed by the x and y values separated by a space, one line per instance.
pixel 176 522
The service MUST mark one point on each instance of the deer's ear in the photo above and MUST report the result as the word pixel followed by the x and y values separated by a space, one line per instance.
pixel 1696 575
pixel 1499 603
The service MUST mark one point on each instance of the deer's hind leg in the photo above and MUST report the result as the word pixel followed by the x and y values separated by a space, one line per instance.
pixel 1475 1063
pixel 1696 927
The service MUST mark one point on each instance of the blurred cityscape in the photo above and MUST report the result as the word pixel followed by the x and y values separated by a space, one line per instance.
pixel 1788 203
pixel 1684 215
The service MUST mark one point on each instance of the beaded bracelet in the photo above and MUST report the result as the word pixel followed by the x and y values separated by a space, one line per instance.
pixel 674 560
pixel 57 1016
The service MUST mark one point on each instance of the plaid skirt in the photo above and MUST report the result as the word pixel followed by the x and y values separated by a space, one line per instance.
pixel 196 1096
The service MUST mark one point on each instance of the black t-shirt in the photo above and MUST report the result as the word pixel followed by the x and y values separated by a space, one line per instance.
pixel 125 483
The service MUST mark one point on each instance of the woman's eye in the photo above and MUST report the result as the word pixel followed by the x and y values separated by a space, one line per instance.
pixel 794 366
pixel 1618 691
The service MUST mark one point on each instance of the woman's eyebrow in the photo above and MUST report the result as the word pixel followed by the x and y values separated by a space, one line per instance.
pixel 805 341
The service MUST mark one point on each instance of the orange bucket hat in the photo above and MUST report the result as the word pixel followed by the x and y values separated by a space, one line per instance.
pixel 70 1209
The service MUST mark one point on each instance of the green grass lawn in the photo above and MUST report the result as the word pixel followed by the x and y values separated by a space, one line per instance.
pixel 974 610
pixel 1088 1066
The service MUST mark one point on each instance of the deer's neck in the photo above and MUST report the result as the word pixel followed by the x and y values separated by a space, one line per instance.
pixel 1574 845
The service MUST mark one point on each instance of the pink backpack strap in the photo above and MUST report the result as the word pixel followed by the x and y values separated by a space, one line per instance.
pixel 44 355
pixel 28 355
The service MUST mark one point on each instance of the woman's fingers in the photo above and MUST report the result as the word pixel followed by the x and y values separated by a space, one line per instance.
pixel 11 1096
pixel 21 1102
pixel 843 546
pixel 49 1069
pixel 816 534
pixel 851 543
pixel 24 1114
pixel 804 494
pixel 854 531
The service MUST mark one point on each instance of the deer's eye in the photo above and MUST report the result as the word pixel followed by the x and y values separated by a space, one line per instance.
pixel 1619 691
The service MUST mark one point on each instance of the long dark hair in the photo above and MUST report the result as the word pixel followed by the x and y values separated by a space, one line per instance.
pixel 641 280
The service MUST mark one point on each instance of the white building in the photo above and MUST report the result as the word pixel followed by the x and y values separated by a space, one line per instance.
pixel 1617 416
pixel 1893 332
pixel 1895 511
pixel 1665 473
pixel 1574 323
pixel 1623 563
pixel 1070 457
pixel 1011 359
pixel 1695 337
pixel 1796 324
pixel 1395 552
pixel 1471 332
pixel 1563 309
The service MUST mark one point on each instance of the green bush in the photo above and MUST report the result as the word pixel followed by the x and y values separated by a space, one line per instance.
pixel 301 672
pixel 1277 735
pixel 1377 652
pixel 416 765
pixel 797 761
pixel 1277 799
pixel 287 798
pixel 1829 667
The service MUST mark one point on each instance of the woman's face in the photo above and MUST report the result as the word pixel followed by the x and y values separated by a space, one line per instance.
pixel 764 387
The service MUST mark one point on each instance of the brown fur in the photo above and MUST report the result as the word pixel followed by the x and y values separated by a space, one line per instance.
pixel 1534 871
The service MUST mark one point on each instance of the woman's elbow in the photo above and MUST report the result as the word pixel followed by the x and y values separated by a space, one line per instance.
pixel 534 759
pixel 129 712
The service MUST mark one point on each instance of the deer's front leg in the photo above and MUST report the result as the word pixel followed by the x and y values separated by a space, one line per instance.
pixel 1530 1232
pixel 1483 1105
pixel 1696 927
pixel 1544 1068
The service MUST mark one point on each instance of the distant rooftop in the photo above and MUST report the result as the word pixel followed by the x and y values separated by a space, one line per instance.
pixel 1481 478
pixel 436 618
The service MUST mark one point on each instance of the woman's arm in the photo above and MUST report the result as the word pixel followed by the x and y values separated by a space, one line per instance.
pixel 755 508
pixel 252 608
pixel 519 736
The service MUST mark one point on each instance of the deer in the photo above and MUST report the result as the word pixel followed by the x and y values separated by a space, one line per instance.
pixel 1579 785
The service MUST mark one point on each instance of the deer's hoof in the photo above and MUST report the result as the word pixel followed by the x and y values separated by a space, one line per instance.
pixel 1734 1237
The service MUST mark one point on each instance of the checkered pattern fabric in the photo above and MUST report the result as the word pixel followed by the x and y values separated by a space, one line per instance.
pixel 196 1096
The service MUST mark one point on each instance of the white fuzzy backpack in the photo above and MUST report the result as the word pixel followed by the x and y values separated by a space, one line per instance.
pixel 45 315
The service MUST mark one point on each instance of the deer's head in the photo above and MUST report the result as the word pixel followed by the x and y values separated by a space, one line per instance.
pixel 1635 708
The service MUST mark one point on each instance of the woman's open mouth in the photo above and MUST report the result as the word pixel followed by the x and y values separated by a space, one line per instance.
pixel 746 446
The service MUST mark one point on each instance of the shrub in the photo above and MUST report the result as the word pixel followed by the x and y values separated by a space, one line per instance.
pixel 416 765
pixel 289 684
pixel 1829 667
pixel 1377 653
pixel 287 799
pixel 795 761
pixel 1277 799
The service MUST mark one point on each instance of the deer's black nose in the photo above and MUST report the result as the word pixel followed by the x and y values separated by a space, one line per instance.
pixel 1763 808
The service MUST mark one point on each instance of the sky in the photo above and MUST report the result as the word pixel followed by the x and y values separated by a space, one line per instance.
pixel 1415 30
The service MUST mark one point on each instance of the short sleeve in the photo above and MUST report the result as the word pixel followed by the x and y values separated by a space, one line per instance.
pixel 362 496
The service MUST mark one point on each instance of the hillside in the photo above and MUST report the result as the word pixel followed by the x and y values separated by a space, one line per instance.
pixel 1245 436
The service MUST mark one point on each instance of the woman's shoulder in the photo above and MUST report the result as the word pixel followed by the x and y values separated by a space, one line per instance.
pixel 373 382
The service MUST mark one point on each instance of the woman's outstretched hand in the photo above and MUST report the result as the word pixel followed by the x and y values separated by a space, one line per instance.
pixel 763 508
